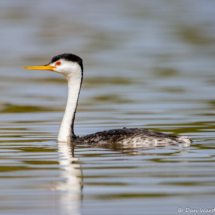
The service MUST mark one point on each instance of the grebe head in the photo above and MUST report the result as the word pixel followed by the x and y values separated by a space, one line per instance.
pixel 69 65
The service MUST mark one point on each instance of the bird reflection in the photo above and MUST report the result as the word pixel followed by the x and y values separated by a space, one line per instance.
pixel 71 184
pixel 132 149
pixel 71 174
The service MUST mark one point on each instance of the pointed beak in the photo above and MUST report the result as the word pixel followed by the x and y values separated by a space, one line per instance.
pixel 40 67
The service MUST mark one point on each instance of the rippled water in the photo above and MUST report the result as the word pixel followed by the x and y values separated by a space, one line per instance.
pixel 148 64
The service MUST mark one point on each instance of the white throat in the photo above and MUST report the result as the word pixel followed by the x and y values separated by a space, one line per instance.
pixel 66 132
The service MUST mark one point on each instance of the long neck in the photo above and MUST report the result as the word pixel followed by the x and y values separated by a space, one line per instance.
pixel 66 132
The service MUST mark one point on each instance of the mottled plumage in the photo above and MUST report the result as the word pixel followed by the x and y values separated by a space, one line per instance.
pixel 132 137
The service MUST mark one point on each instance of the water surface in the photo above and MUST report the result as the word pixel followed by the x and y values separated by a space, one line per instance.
pixel 147 64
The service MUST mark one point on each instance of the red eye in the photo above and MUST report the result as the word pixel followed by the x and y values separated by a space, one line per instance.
pixel 58 63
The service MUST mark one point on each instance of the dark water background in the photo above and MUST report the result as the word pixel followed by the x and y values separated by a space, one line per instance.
pixel 148 64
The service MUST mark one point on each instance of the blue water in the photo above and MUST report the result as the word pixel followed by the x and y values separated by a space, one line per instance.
pixel 147 64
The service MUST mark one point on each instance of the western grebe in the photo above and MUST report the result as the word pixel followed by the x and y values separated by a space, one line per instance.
pixel 71 66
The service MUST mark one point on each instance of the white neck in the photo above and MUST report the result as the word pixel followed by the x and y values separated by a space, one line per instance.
pixel 66 132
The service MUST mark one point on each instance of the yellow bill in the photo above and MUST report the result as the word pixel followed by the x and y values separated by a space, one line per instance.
pixel 40 67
